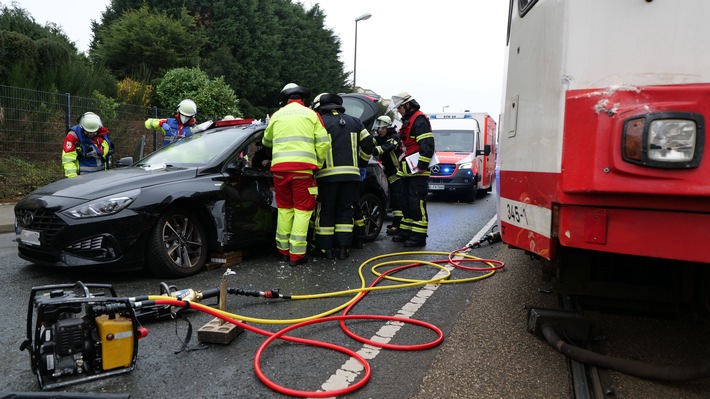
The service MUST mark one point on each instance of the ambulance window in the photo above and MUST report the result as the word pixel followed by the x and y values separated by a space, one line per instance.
pixel 524 6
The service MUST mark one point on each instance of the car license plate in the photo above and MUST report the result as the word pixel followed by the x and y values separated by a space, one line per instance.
pixel 30 237
pixel 436 187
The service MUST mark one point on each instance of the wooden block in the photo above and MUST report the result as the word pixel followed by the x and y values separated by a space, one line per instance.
pixel 226 259
pixel 212 266
pixel 218 332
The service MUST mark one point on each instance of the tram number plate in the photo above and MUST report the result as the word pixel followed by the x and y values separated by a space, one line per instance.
pixel 436 187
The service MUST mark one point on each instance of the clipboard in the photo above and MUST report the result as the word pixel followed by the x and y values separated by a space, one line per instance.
pixel 413 161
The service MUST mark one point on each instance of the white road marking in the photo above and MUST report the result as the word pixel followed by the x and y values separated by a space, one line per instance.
pixel 351 369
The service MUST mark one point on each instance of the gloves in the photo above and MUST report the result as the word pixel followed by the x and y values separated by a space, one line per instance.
pixel 363 173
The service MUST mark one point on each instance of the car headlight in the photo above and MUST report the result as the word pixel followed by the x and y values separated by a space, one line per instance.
pixel 103 206
pixel 667 140
pixel 466 165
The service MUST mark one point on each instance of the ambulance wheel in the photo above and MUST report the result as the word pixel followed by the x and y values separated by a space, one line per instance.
pixel 177 246
pixel 470 195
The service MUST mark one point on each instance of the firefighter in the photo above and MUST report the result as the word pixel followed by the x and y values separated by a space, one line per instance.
pixel 339 180
pixel 388 149
pixel 87 147
pixel 180 125
pixel 299 144
pixel 418 146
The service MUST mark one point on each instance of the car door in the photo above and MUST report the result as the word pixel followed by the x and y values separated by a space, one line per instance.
pixel 250 207
pixel 361 106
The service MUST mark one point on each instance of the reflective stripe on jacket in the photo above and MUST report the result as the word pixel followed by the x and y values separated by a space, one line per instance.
pixel 86 155
pixel 417 137
pixel 350 145
pixel 173 128
pixel 297 137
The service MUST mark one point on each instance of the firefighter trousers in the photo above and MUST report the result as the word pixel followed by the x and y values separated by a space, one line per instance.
pixel 415 221
pixel 334 217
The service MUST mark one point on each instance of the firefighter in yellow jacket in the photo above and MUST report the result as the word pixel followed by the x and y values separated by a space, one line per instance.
pixel 299 144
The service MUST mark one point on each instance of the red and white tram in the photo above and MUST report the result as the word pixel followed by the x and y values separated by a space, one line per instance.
pixel 602 144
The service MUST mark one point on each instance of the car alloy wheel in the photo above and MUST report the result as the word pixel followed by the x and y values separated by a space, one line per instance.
pixel 374 215
pixel 178 245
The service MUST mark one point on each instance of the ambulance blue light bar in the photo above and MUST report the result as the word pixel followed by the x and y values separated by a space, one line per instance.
pixel 451 116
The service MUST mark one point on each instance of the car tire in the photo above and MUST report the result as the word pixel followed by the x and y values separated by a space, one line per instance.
pixel 178 245
pixel 373 211
pixel 472 192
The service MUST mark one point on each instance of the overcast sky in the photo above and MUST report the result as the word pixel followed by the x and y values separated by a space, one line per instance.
pixel 444 52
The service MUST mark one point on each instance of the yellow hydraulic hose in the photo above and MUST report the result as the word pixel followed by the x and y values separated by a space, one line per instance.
pixel 444 279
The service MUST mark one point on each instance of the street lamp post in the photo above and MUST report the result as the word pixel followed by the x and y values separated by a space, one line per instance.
pixel 358 19
pixel 444 107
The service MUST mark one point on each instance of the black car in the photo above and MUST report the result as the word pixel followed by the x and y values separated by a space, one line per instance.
pixel 204 194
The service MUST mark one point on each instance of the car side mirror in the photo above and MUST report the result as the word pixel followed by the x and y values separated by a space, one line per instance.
pixel 486 151
pixel 125 161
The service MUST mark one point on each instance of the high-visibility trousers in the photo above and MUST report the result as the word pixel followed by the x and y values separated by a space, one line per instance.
pixel 295 199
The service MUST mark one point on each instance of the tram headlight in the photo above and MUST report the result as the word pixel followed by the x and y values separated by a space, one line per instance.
pixel 666 140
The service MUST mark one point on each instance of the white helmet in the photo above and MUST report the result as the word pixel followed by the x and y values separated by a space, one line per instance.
pixel 316 101
pixel 292 89
pixel 383 121
pixel 401 99
pixel 187 107
pixel 90 122
pixel 228 118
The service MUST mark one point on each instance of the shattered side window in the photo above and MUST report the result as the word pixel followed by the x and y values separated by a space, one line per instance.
pixel 524 6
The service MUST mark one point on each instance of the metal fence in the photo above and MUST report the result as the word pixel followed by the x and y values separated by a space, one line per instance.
pixel 33 125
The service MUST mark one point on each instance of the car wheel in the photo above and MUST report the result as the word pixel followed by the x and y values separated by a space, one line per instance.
pixel 373 211
pixel 470 194
pixel 178 245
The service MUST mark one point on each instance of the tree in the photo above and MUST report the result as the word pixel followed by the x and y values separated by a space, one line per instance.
pixel 43 58
pixel 147 42
pixel 214 98
pixel 257 46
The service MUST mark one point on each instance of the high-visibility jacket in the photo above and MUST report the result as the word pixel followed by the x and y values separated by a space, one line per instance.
pixel 417 137
pixel 81 154
pixel 297 137
pixel 174 129
pixel 350 145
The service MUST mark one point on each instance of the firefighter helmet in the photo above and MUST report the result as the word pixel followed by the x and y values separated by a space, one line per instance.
pixel 326 98
pixel 292 89
pixel 90 122
pixel 383 121
pixel 401 99
pixel 187 107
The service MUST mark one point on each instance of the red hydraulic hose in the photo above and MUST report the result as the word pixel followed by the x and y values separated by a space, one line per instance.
pixel 280 334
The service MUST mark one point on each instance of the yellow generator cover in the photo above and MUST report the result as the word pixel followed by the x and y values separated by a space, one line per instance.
pixel 116 341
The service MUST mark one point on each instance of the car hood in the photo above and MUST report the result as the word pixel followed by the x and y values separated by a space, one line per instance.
pixel 100 184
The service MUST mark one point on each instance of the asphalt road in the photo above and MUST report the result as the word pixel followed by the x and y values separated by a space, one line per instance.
pixel 486 353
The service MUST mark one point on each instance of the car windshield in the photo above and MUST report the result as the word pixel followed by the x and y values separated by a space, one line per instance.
pixel 454 140
pixel 198 149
